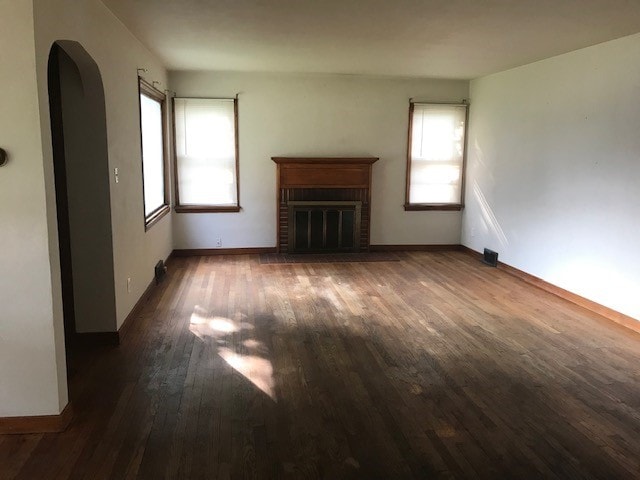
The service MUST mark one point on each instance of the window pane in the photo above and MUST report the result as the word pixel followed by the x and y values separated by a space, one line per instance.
pixel 152 154
pixel 437 153
pixel 435 183
pixel 206 151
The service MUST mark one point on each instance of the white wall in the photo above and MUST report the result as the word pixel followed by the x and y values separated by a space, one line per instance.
pixel 554 171
pixel 118 55
pixel 31 380
pixel 317 115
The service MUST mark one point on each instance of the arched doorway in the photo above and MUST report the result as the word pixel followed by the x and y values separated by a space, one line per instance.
pixel 81 171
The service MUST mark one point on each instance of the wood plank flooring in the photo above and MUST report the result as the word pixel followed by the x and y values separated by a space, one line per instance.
pixel 435 366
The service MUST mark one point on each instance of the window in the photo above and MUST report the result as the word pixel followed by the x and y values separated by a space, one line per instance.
pixel 154 171
pixel 206 144
pixel 435 159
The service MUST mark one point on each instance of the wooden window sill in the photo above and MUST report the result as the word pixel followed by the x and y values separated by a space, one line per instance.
pixel 445 207
pixel 206 209
pixel 156 216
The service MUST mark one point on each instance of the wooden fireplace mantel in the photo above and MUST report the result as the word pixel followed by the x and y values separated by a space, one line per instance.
pixel 323 179
pixel 324 172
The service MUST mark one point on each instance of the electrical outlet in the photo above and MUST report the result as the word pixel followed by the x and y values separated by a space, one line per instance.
pixel 115 174
pixel 473 231
pixel 128 284
pixel 218 242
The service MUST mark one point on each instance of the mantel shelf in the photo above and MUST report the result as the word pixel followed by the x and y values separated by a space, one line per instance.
pixel 326 160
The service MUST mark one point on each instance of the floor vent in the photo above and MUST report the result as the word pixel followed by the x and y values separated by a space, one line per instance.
pixel 161 271
pixel 490 257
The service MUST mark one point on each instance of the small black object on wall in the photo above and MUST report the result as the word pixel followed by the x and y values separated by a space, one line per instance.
pixel 490 257
pixel 4 157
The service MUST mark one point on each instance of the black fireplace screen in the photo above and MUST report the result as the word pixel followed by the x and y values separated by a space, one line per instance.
pixel 324 226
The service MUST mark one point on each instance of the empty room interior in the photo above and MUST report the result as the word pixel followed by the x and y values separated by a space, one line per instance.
pixel 340 239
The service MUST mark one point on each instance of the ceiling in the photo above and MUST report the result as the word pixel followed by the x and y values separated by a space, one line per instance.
pixel 428 38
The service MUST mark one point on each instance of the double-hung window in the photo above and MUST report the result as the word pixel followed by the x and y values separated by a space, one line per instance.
pixel 435 158
pixel 154 161
pixel 206 142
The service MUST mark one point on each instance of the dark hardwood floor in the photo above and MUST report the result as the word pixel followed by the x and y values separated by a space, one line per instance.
pixel 435 366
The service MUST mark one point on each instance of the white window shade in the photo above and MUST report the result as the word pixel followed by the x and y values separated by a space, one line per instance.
pixel 436 154
pixel 206 152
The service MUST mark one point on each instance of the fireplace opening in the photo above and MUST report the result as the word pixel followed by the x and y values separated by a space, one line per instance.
pixel 324 226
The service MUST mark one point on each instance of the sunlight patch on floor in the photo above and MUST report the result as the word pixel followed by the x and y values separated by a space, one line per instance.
pixel 255 368
pixel 203 325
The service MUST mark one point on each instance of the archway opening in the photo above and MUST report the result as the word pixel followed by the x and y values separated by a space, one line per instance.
pixel 81 171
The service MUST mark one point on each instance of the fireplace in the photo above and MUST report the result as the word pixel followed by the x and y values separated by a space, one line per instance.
pixel 324 204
